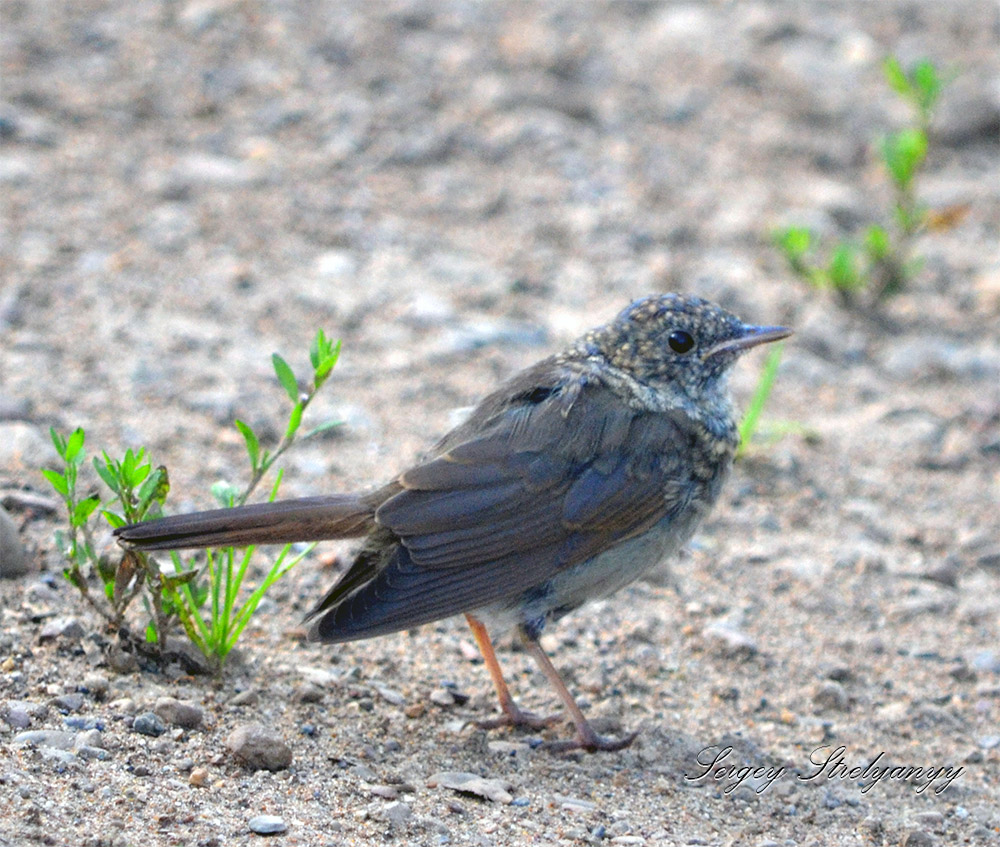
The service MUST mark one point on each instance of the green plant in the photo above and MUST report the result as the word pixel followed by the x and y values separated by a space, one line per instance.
pixel 761 394
pixel 137 488
pixel 205 600
pixel 216 633
pixel 864 272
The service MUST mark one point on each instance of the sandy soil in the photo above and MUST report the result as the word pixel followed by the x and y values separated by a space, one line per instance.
pixel 456 190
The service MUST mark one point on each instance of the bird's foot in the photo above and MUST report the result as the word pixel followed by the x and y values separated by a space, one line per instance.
pixel 588 740
pixel 514 716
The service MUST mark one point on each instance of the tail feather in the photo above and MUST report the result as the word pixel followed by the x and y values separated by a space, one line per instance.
pixel 306 519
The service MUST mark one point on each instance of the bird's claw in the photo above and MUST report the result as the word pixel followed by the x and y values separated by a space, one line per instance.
pixel 519 718
pixel 591 742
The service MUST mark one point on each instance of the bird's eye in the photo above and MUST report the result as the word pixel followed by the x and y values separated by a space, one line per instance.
pixel 680 341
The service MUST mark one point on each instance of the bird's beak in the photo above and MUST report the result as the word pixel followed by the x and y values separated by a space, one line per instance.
pixel 751 337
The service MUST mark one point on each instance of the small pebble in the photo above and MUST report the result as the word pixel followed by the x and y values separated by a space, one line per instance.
pixel 61 627
pixel 126 706
pixel 97 685
pixel 267 825
pixel 390 695
pixel 182 713
pixel 963 673
pixel 19 713
pixel 309 692
pixel 245 698
pixel 397 813
pixel 54 738
pixel 16 717
pixel 575 804
pixel 442 697
pixel 321 677
pixel 198 777
pixel 259 748
pixel 68 702
pixel 87 752
pixel 729 641
pixel 919 838
pixel 832 695
pixel 90 738
pixel 986 661
pixel 470 783
pixel 386 792
pixel 149 723
pixel 930 820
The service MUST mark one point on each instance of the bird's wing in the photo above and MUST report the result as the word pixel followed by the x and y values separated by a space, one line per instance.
pixel 557 474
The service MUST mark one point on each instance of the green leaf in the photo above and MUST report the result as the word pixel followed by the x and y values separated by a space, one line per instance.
pixel 896 76
pixel 74 446
pixel 127 466
pixel 877 242
pixel 114 519
pixel 58 442
pixel 174 580
pixel 57 481
pixel 277 484
pixel 843 270
pixel 148 489
pixel 326 364
pixel 253 445
pixel 760 396
pixel 323 427
pixel 323 355
pixel 927 84
pixel 795 241
pixel 902 153
pixel 162 485
pixel 140 473
pixel 286 377
pixel 294 420
pixel 104 471
pixel 319 349
pixel 84 509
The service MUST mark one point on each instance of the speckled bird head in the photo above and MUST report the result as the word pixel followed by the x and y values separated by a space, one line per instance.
pixel 679 345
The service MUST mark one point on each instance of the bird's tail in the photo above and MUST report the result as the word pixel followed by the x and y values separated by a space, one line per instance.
pixel 307 519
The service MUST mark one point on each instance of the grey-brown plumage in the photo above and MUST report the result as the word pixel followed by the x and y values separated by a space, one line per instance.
pixel 566 483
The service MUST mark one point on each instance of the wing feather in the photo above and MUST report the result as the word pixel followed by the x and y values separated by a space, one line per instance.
pixel 531 489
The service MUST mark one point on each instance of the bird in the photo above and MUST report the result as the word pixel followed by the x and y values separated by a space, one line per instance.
pixel 568 482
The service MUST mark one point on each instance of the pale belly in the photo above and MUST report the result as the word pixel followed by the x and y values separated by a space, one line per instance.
pixel 598 577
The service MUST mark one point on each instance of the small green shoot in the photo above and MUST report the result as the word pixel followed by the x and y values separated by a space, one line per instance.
pixel 761 394
pixel 205 600
pixel 866 272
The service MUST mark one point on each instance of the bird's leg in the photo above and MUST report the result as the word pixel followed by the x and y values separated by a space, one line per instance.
pixel 586 738
pixel 513 715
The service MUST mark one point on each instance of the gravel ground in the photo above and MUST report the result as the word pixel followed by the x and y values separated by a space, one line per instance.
pixel 455 190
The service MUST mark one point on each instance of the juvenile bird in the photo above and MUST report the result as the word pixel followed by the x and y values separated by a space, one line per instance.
pixel 571 480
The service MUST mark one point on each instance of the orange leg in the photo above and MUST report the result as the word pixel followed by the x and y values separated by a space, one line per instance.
pixel 514 715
